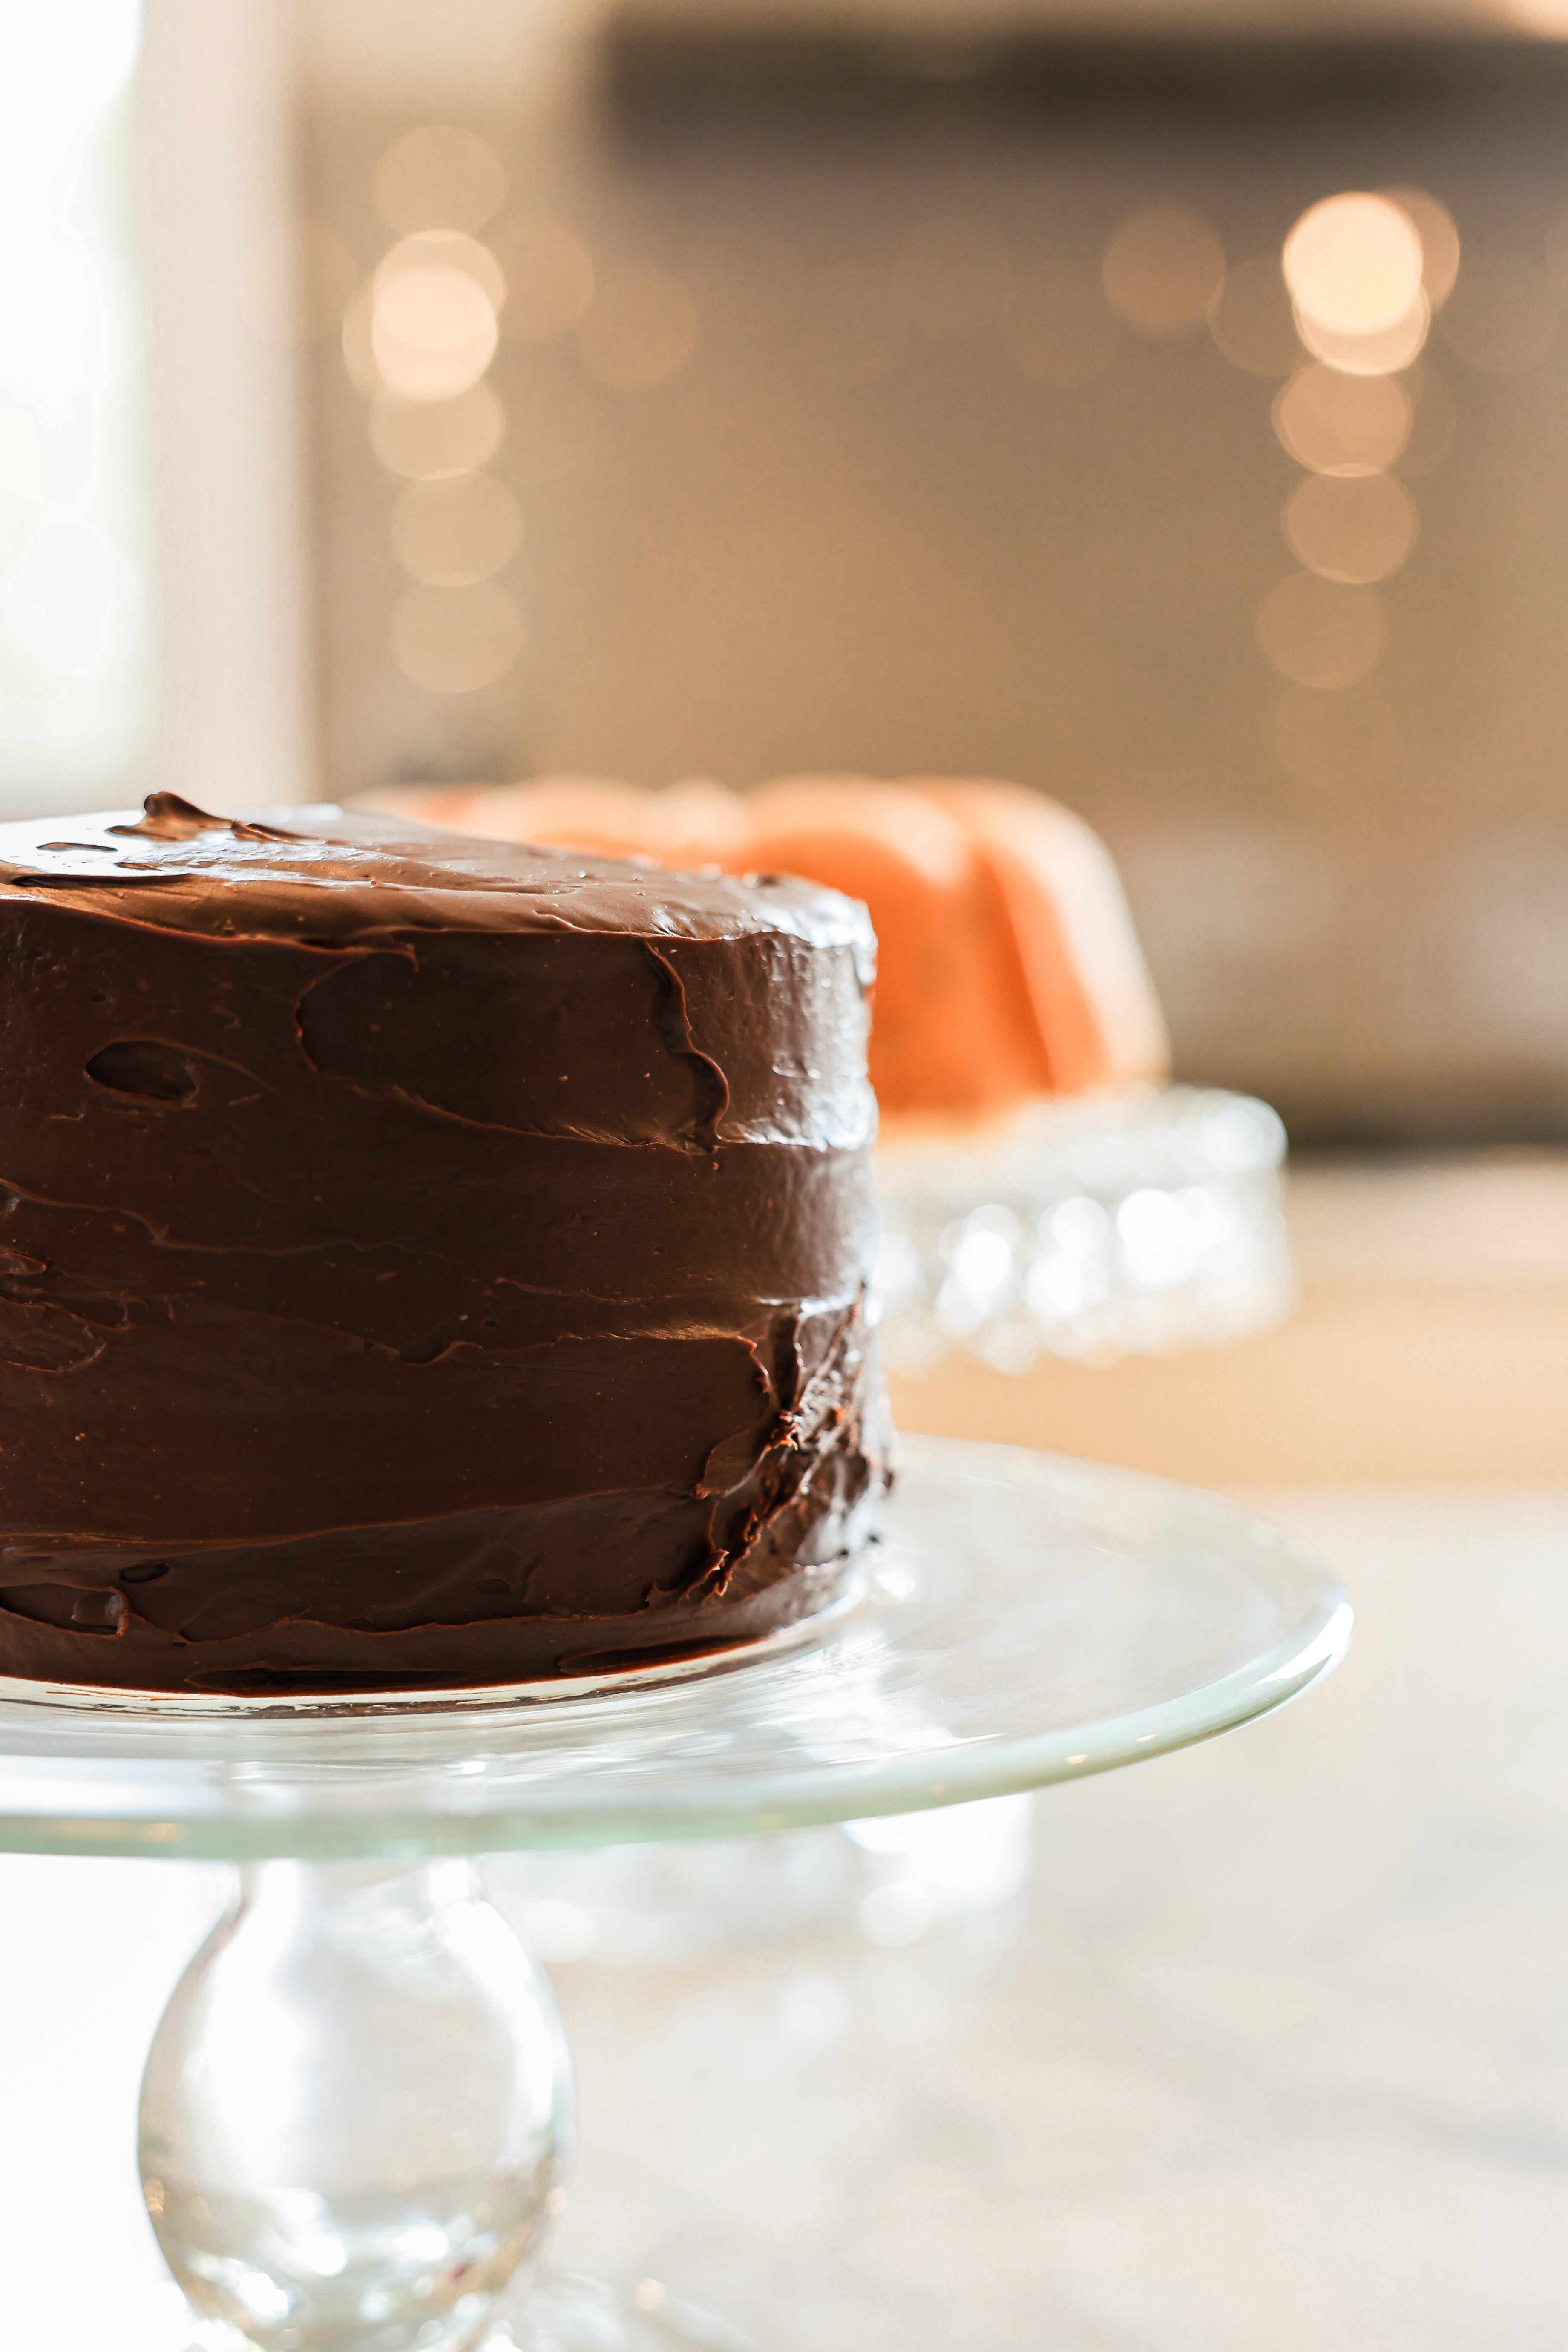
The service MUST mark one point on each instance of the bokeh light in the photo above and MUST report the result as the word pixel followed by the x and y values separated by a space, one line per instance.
pixel 550 278
pixel 454 532
pixel 434 312
pixel 1057 328
pixel 1350 527
pixel 1320 633
pixel 443 249
pixel 433 332
pixel 1503 315
pixel 1353 264
pixel 1329 421
pixel 438 177
pixel 640 330
pixel 418 340
pixel 1382 350
pixel 1252 320
pixel 1364 273
pixel 1434 225
pixel 1354 267
pixel 952 280
pixel 456 640
pixel 849 332
pixel 1164 271
pixel 426 441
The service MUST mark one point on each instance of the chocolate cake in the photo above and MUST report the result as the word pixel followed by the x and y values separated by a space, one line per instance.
pixel 422 1262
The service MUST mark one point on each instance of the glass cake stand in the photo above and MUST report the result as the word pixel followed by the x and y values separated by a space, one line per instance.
pixel 1128 1223
pixel 356 2116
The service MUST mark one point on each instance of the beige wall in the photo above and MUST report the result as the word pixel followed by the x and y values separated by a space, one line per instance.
pixel 216 107
pixel 1355 902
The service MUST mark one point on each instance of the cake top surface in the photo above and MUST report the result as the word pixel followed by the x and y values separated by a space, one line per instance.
pixel 316 874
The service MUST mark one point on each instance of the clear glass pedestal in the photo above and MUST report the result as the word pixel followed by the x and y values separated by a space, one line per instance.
pixel 1130 1223
pixel 356 2119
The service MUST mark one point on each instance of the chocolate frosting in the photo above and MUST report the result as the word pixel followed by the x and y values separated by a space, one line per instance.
pixel 422 1260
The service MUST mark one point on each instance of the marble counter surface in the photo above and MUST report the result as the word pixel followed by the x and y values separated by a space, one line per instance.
pixel 1272 2051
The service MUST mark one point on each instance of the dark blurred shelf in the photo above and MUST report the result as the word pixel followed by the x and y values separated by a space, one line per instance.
pixel 669 79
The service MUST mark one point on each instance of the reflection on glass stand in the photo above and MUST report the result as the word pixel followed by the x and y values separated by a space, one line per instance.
pixel 356 2116
pixel 890 1881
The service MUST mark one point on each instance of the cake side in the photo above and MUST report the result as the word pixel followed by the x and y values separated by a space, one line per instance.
pixel 410 1281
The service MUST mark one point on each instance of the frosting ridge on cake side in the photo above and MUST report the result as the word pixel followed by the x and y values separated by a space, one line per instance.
pixel 421 1261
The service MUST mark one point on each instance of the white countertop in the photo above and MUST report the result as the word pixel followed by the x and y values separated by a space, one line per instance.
pixel 1274 2050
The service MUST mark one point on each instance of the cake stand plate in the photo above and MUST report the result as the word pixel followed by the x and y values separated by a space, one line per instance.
pixel 1027 1620
pixel 356 2119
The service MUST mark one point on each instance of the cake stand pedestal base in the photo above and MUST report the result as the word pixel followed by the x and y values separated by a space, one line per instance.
pixel 356 2122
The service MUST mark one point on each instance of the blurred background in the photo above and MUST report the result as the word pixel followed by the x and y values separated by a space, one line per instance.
pixel 653 390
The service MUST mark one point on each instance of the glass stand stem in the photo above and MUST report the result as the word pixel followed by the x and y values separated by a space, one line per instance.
pixel 356 2115
pixel 356 2124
